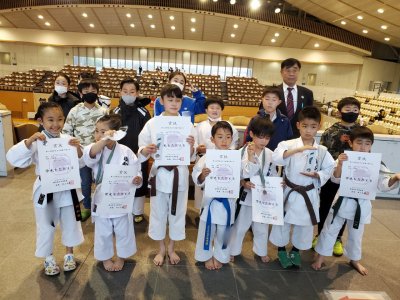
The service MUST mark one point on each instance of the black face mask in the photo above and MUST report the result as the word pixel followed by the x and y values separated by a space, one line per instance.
pixel 349 117
pixel 89 98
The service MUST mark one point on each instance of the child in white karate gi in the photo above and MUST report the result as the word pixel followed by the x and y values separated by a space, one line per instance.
pixel 256 161
pixel 214 107
pixel 55 208
pixel 307 167
pixel 168 201
pixel 96 156
pixel 217 214
pixel 356 212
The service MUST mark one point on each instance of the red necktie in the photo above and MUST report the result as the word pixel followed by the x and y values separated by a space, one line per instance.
pixel 289 103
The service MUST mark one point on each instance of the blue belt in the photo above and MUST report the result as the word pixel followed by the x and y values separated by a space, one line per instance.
pixel 207 235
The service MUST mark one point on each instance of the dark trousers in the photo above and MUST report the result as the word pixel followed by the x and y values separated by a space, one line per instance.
pixel 328 192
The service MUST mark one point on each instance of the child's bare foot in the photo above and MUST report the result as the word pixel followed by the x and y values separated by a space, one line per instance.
pixel 265 259
pixel 209 264
pixel 317 264
pixel 159 259
pixel 119 264
pixel 173 257
pixel 359 267
pixel 108 265
pixel 232 258
pixel 217 264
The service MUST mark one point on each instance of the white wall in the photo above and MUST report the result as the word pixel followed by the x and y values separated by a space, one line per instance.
pixel 378 70
pixel 29 56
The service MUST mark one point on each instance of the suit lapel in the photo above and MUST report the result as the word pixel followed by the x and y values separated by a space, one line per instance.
pixel 300 99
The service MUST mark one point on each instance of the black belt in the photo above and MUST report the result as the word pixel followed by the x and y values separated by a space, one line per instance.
pixel 75 202
pixel 357 215
pixel 302 190
pixel 175 183
pixel 242 197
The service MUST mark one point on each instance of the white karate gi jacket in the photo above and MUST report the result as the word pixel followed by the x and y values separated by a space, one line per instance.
pixel 295 209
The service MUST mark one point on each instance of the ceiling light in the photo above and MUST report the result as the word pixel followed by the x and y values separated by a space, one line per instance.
pixel 380 10
pixel 132 25
pixel 47 24
pixel 215 0
pixel 171 18
pixel 365 31
pixel 91 25
pixel 235 26
pixel 387 39
pixel 40 17
pixel 193 20
pixel 277 10
pixel 273 40
pixel 193 29
pixel 384 27
pixel 316 45
pixel 255 4
pixel 84 15
pixel 152 26
pixel 233 35
pixel 128 15
pixel 232 2
pixel 276 34
pixel 150 16
pixel 343 22
pixel 360 17
pixel 172 27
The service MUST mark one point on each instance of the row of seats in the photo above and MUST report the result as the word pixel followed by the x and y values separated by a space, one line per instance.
pixel 22 81
pixel 243 91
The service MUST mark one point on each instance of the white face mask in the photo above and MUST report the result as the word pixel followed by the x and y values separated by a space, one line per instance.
pixel 128 99
pixel 60 89
pixel 180 85
pixel 215 119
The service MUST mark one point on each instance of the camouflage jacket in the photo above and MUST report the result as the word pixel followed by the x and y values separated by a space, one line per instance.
pixel 336 138
pixel 81 122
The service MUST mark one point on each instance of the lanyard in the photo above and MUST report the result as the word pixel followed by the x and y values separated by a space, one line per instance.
pixel 99 177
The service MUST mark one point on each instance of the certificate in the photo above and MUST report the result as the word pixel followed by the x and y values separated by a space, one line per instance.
pixel 360 174
pixel 117 191
pixel 224 179
pixel 58 165
pixel 267 203
pixel 172 132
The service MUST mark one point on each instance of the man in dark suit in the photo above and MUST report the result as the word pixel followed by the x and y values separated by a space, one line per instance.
pixel 294 98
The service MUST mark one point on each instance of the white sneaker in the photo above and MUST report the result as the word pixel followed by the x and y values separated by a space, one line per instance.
pixel 50 266
pixel 69 262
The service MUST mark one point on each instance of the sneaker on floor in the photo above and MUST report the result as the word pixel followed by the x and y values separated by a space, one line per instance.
pixel 284 259
pixel 50 266
pixel 314 242
pixel 338 248
pixel 69 262
pixel 85 214
pixel 138 218
pixel 295 258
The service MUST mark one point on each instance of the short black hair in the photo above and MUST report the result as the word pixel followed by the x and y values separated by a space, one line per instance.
pixel 87 75
pixel 87 82
pixel 129 80
pixel 221 124
pixel 171 90
pixel 214 100
pixel 44 106
pixel 114 121
pixel 310 112
pixel 261 126
pixel 361 133
pixel 61 74
pixel 173 74
pixel 348 101
pixel 271 90
pixel 290 62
